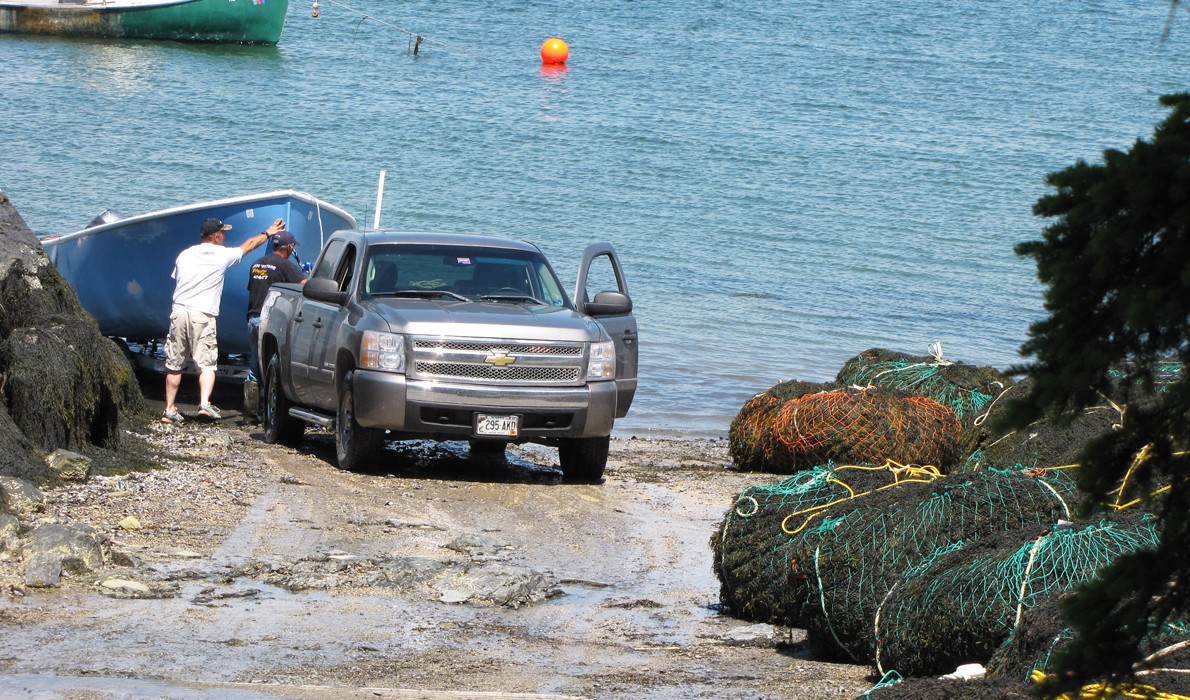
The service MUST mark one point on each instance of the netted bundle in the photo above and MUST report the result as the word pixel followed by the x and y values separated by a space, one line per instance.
pixel 1122 389
pixel 1048 442
pixel 756 545
pixel 1165 677
pixel 990 688
pixel 860 553
pixel 1042 632
pixel 962 602
pixel 949 689
pixel 1038 634
pixel 1167 662
pixel 1125 691
pixel 864 427
pixel 751 440
pixel 966 389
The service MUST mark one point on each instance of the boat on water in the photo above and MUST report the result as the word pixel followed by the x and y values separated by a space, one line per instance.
pixel 217 21
pixel 120 266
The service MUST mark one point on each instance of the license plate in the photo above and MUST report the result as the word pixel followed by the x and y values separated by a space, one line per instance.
pixel 504 426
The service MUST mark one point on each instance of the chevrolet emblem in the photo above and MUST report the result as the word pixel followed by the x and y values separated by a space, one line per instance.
pixel 499 358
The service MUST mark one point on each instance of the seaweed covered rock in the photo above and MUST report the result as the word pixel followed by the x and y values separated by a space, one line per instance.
pixel 66 385
pixel 962 602
pixel 865 550
pixel 19 456
pixel 759 550
pixel 751 439
pixel 968 390
pixel 77 379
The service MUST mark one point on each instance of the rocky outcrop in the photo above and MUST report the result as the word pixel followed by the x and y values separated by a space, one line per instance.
pixel 66 385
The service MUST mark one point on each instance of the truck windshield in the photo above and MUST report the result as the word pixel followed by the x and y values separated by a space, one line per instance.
pixel 495 274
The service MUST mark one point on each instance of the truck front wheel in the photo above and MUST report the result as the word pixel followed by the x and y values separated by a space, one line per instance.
pixel 583 459
pixel 355 445
pixel 279 426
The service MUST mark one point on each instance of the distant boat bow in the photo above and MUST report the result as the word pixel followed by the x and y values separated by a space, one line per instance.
pixel 220 21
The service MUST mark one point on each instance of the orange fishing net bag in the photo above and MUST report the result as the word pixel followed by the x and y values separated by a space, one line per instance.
pixel 852 426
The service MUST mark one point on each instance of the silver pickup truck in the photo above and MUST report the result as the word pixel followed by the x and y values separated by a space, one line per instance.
pixel 450 337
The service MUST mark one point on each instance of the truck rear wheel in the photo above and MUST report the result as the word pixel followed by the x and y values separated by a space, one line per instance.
pixel 279 426
pixel 583 459
pixel 355 445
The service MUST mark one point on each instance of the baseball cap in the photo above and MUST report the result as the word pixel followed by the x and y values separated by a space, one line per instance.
pixel 212 226
pixel 284 238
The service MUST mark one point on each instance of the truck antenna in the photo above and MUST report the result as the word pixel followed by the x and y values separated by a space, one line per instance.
pixel 379 199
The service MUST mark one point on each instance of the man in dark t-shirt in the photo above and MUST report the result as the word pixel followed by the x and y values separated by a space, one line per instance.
pixel 272 268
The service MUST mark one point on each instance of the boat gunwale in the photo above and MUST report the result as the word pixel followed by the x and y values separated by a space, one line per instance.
pixel 91 6
pixel 308 198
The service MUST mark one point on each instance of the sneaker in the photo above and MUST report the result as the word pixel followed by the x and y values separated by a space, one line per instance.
pixel 170 417
pixel 209 412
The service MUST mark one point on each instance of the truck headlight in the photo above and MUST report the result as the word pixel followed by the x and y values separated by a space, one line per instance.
pixel 382 351
pixel 601 363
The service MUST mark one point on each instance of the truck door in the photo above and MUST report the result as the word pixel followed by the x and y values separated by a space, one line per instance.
pixel 600 271
pixel 330 326
pixel 311 318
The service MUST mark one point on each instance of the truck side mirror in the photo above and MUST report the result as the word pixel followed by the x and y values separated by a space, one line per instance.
pixel 609 304
pixel 324 289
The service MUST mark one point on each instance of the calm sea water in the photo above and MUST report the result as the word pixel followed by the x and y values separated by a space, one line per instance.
pixel 788 183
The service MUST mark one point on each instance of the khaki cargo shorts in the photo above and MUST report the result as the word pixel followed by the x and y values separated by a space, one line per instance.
pixel 191 334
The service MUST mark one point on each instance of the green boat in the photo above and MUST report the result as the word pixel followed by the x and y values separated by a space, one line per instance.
pixel 217 21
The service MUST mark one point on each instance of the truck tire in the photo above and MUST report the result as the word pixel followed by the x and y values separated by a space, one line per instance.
pixel 279 427
pixel 583 459
pixel 355 446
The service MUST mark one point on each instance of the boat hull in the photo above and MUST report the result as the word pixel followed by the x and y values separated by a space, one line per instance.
pixel 219 21
pixel 121 270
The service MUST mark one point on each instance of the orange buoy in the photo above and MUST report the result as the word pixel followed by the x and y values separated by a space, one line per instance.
pixel 554 51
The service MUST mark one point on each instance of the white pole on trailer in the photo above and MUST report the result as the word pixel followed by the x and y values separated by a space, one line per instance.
pixel 379 199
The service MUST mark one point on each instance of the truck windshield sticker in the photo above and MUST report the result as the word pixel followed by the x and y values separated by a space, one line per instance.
pixel 463 261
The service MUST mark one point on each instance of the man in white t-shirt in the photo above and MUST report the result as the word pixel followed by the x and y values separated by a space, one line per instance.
pixel 198 274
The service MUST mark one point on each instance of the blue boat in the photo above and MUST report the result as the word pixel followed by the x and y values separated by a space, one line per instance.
pixel 120 267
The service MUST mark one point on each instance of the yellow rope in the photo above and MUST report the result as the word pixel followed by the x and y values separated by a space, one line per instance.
pixel 902 474
pixel 1141 458
pixel 1140 691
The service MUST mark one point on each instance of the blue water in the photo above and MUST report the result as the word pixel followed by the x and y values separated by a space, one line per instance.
pixel 788 183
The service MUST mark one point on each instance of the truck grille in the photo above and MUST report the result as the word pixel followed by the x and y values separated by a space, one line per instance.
pixel 486 361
